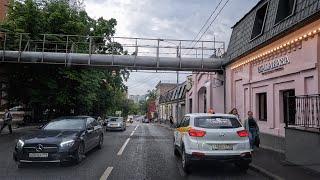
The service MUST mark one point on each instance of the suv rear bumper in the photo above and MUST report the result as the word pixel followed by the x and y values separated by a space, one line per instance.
pixel 244 158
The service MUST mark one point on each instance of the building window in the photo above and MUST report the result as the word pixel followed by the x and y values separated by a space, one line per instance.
pixel 259 21
pixel 285 9
pixel 190 105
pixel 262 106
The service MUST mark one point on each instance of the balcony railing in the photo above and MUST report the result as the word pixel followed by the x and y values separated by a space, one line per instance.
pixel 306 109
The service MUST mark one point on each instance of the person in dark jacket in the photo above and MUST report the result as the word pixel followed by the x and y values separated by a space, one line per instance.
pixel 171 121
pixel 250 124
pixel 7 120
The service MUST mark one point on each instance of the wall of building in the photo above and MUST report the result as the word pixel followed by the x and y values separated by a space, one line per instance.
pixel 244 83
pixel 206 88
pixel 3 9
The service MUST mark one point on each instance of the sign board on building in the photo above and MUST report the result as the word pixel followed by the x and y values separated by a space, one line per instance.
pixel 189 83
pixel 274 65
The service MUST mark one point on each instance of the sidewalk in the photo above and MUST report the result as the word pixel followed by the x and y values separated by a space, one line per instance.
pixel 273 165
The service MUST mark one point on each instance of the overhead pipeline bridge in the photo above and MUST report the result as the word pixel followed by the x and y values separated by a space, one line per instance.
pixel 123 52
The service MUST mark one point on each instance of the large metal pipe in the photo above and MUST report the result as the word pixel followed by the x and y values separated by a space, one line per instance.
pixel 128 61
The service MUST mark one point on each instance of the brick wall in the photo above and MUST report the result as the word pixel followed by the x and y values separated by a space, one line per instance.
pixel 3 9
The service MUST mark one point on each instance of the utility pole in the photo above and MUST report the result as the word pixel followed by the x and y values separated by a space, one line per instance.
pixel 177 105
pixel 177 101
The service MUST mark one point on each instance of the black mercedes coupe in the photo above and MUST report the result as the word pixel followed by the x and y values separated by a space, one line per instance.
pixel 61 140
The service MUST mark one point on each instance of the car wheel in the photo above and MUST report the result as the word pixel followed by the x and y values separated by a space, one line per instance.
pixel 80 153
pixel 185 162
pixel 176 152
pixel 100 141
pixel 20 165
pixel 27 119
pixel 242 166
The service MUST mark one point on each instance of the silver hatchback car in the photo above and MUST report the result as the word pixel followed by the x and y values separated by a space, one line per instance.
pixel 212 137
pixel 116 123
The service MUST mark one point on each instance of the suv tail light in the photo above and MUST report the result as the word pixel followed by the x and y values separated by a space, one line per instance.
pixel 243 133
pixel 196 133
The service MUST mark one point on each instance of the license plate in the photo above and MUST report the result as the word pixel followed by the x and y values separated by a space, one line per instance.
pixel 38 155
pixel 222 147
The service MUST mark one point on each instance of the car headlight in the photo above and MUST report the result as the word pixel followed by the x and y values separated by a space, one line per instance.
pixel 67 143
pixel 20 144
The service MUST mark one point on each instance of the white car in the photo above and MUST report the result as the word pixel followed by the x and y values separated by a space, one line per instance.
pixel 212 137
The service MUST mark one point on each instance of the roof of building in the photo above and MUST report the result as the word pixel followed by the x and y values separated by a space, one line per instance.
pixel 174 94
pixel 241 44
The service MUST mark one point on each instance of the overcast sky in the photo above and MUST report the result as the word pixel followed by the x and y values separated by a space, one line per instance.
pixel 174 19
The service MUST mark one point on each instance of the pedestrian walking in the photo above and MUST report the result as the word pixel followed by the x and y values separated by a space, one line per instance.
pixel 171 121
pixel 250 124
pixel 7 120
pixel 234 111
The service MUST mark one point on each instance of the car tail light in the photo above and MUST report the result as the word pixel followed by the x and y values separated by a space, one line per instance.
pixel 243 133
pixel 196 133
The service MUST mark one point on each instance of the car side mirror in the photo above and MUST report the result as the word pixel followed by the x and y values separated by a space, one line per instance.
pixel 41 126
pixel 90 128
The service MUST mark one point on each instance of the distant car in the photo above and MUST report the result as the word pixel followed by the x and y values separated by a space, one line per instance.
pixel 63 139
pixel 212 137
pixel 146 120
pixel 116 123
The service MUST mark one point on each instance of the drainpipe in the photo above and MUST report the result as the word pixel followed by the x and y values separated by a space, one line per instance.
pixel 211 93
pixel 224 90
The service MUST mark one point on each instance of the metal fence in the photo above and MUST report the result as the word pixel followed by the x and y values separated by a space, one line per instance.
pixel 60 43
pixel 306 109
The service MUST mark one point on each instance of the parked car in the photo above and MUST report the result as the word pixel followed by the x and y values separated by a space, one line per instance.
pixel 212 137
pixel 116 123
pixel 61 140
pixel 20 114
pixel 145 120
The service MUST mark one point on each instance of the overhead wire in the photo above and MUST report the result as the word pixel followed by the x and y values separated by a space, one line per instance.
pixel 206 21
pixel 210 24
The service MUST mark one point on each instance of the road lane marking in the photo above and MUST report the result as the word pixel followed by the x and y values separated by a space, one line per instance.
pixel 136 127
pixel 123 146
pixel 106 173
pixel 131 133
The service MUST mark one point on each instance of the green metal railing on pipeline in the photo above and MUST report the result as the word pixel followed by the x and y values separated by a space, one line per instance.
pixel 59 43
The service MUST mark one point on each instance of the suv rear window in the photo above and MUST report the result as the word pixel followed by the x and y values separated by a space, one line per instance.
pixel 116 120
pixel 216 122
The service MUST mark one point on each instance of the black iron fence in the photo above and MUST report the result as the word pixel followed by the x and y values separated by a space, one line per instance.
pixel 306 111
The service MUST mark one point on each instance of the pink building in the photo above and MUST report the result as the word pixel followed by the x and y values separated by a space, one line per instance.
pixel 205 91
pixel 274 53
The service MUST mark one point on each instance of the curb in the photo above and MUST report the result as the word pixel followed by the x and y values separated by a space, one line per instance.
pixel 265 172
pixel 165 126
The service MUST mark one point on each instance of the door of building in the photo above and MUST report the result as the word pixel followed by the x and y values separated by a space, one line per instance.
pixel 289 106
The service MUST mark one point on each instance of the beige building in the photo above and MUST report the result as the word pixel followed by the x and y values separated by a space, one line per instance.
pixel 161 89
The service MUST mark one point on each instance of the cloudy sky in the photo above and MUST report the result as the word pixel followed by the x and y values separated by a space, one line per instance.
pixel 174 19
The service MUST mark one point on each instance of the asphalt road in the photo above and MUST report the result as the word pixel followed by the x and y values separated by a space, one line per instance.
pixel 143 151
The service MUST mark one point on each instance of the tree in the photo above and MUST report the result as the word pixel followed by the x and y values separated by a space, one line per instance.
pixel 84 90
pixel 152 95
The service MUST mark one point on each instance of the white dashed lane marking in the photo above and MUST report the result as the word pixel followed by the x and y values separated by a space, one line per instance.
pixel 106 173
pixel 123 147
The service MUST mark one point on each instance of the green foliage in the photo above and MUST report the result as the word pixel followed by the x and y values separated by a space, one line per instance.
pixel 84 90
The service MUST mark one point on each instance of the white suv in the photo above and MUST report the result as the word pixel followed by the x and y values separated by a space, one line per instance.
pixel 214 137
